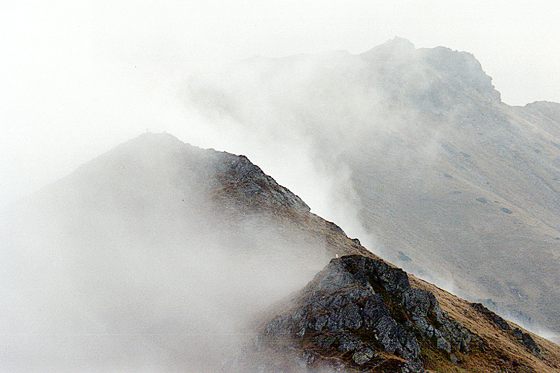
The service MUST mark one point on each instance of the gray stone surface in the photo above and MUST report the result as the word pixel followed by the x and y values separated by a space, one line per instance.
pixel 360 305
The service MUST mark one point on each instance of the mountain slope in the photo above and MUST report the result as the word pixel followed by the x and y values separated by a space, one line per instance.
pixel 159 256
pixel 420 156
pixel 362 314
pixel 140 257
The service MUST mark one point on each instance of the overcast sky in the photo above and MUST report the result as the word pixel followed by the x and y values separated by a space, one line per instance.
pixel 78 77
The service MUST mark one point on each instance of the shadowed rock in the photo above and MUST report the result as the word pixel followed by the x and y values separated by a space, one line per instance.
pixel 359 307
pixel 522 337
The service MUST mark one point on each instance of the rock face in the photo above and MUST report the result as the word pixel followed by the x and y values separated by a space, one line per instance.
pixel 365 312
pixel 524 338
pixel 246 182
pixel 361 314
pixel 500 322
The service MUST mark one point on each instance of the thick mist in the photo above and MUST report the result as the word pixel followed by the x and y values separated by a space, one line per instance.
pixel 323 117
pixel 412 151
pixel 129 264
pixel 80 77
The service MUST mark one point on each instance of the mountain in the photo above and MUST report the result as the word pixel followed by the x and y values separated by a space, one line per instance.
pixel 363 314
pixel 139 258
pixel 160 256
pixel 417 154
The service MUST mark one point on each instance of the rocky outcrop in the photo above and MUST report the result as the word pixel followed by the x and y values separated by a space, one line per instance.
pixel 436 78
pixel 362 313
pixel 244 181
pixel 526 340
pixel 522 337
pixel 495 319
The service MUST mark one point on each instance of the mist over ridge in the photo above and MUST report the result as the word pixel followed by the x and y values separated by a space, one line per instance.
pixel 415 154
pixel 140 258
pixel 159 255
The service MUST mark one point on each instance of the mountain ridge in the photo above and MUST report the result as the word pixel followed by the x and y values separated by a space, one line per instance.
pixel 432 163
pixel 362 314
pixel 155 227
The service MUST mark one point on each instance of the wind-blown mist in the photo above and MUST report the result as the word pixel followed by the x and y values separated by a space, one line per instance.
pixel 134 263
pixel 331 110
pixel 414 153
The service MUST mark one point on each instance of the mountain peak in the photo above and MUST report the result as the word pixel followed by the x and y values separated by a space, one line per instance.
pixel 353 304
pixel 397 43
pixel 436 78
pixel 394 47
pixel 164 165
pixel 155 139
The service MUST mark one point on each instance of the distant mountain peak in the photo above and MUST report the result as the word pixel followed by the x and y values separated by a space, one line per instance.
pixel 544 105
pixel 156 136
pixel 393 46
pixel 439 76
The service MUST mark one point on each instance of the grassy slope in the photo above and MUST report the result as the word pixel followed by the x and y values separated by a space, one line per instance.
pixel 503 350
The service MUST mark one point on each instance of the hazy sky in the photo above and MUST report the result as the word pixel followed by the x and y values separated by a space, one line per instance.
pixel 78 77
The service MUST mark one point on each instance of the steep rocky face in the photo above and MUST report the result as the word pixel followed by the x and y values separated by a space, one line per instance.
pixel 416 150
pixel 362 314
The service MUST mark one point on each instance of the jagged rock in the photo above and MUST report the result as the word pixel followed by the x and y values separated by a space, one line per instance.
pixel 348 342
pixel 524 338
pixel 246 181
pixel 309 357
pixel 453 358
pixel 358 305
pixel 527 341
pixel 500 322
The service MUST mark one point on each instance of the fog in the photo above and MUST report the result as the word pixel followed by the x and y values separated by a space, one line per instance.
pixel 317 120
pixel 81 77
pixel 378 134
pixel 129 264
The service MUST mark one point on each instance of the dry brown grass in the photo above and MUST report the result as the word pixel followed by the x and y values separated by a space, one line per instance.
pixel 504 352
